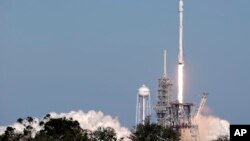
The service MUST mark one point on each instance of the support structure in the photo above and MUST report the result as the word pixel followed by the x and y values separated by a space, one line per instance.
pixel 182 121
pixel 201 105
pixel 164 97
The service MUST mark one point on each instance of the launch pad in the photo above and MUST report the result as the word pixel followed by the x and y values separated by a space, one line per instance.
pixel 181 115
pixel 182 121
pixel 177 115
pixel 173 114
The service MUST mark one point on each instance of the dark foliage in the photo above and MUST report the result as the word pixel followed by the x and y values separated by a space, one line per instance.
pixel 62 129
pixel 9 135
pixel 104 134
pixel 59 129
pixel 153 132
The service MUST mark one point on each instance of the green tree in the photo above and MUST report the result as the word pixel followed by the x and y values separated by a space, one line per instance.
pixel 28 130
pixel 60 129
pixel 153 132
pixel 20 120
pixel 104 134
pixel 10 135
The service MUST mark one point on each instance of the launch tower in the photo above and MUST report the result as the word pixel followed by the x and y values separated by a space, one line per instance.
pixel 164 98
pixel 176 114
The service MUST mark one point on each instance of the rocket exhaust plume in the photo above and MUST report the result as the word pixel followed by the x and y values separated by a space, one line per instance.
pixel 180 83
pixel 180 56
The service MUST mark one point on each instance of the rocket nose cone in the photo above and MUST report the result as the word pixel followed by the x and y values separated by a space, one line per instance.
pixel 181 4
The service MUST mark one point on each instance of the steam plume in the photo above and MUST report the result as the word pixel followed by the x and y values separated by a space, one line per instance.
pixel 2 129
pixel 211 127
pixel 90 120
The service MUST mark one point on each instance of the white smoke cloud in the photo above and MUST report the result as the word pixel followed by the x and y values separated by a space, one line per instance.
pixel 2 129
pixel 20 127
pixel 211 127
pixel 90 120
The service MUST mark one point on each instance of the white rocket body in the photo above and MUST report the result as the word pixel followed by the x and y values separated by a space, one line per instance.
pixel 180 56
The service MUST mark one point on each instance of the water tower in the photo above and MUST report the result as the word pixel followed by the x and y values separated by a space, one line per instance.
pixel 143 107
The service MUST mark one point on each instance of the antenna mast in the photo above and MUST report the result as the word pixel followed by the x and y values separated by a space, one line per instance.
pixel 165 63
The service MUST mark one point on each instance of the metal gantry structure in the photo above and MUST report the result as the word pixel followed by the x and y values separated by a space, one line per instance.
pixel 164 98
pixel 174 114
pixel 201 105
pixel 177 115
pixel 183 121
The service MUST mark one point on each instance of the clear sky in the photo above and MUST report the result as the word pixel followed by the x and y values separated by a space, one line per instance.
pixel 63 55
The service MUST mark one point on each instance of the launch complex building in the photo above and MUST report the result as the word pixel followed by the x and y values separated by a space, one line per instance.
pixel 174 114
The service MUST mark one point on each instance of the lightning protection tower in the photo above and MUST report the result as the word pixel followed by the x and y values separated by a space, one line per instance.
pixel 164 98
pixel 143 107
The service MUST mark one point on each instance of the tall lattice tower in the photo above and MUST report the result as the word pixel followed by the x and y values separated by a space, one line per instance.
pixel 164 98
pixel 143 106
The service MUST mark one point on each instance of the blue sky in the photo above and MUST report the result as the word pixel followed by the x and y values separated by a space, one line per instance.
pixel 94 55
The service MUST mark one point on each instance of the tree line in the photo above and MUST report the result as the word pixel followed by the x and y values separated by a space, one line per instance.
pixel 63 129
